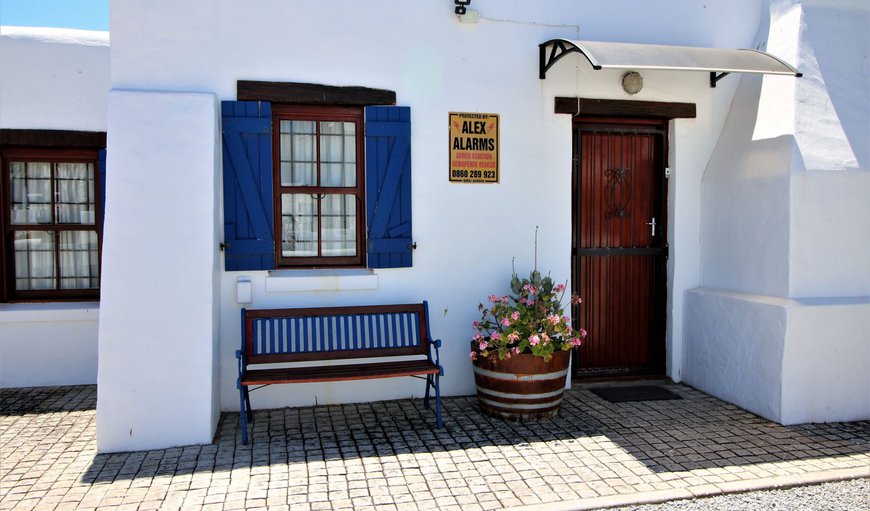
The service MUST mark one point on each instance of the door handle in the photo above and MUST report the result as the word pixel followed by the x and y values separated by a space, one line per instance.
pixel 652 226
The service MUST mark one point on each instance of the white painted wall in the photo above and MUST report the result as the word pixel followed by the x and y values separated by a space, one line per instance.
pixel 48 344
pixel 156 384
pixel 466 234
pixel 51 79
pixel 786 229
pixel 825 376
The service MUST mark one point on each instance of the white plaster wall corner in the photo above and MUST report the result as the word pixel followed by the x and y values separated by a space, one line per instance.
pixel 146 333
pixel 735 344
pixel 825 377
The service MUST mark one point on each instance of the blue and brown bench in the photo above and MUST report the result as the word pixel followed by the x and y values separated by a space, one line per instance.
pixel 395 337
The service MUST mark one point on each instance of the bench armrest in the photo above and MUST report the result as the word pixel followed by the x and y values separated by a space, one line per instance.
pixel 436 344
pixel 243 364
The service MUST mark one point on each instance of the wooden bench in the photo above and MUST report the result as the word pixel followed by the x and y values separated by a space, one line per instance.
pixel 384 332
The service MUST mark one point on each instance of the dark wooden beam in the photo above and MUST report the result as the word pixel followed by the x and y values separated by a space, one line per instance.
pixel 52 138
pixel 625 108
pixel 312 94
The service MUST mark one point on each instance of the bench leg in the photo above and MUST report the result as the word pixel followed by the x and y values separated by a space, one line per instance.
pixel 244 411
pixel 438 422
pixel 433 381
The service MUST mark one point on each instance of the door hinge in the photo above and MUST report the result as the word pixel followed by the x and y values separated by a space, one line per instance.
pixel 667 172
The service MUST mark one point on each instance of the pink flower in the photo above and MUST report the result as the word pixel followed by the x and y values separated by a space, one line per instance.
pixel 545 338
pixel 516 350
pixel 506 321
pixel 505 299
pixel 515 315
pixel 483 345
pixel 530 288
pixel 582 332
pixel 554 319
pixel 492 298
pixel 473 355
pixel 475 324
pixel 525 302
pixel 559 288
pixel 534 340
pixel 576 300
pixel 495 336
pixel 513 337
pixel 566 319
pixel 477 337
pixel 576 341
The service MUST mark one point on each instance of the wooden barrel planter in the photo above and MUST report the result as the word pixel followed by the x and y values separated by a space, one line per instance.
pixel 522 387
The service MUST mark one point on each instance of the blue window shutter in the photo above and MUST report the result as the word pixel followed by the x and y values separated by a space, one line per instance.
pixel 249 239
pixel 388 186
pixel 101 169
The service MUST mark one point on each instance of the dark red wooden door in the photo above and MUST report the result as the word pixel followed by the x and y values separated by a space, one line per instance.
pixel 620 247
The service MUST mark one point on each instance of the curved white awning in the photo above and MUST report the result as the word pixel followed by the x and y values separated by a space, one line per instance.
pixel 717 61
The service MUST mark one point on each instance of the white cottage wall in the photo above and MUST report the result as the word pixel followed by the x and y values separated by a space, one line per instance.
pixel 785 224
pixel 60 78
pixel 51 78
pixel 467 234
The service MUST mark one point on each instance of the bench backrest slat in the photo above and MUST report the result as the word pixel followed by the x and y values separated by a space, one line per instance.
pixel 286 335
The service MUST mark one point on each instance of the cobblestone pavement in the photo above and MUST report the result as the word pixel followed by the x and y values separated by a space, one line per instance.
pixel 387 455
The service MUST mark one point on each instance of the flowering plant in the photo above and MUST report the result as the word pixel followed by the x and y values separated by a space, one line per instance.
pixel 530 320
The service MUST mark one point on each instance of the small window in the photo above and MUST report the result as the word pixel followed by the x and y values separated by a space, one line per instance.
pixel 50 224
pixel 319 186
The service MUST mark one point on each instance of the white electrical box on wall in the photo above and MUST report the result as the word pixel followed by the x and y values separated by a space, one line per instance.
pixel 243 291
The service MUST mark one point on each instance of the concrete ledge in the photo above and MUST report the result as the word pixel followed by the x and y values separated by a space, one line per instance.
pixel 49 312
pixel 320 280
pixel 703 491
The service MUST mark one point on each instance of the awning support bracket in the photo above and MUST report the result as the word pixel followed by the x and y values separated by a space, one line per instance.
pixel 559 48
pixel 716 77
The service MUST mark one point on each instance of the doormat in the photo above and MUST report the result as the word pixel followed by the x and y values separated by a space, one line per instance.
pixel 634 393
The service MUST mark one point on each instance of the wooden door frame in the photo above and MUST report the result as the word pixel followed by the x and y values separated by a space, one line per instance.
pixel 657 347
pixel 616 110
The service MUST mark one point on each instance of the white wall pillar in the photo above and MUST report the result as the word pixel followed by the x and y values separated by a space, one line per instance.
pixel 158 317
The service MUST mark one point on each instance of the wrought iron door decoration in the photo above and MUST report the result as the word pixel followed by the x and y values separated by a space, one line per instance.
pixel 617 193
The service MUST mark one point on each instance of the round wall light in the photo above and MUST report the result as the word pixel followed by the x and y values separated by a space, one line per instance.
pixel 632 82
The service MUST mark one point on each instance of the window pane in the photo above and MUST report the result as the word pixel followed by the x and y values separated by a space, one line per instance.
pixel 299 225
pixel 30 184
pixel 298 153
pixel 74 192
pixel 34 260
pixel 79 262
pixel 337 150
pixel 339 225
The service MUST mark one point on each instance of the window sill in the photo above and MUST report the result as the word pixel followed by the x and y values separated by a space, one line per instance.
pixel 49 312
pixel 289 281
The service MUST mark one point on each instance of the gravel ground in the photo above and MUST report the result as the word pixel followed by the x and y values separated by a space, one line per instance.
pixel 840 496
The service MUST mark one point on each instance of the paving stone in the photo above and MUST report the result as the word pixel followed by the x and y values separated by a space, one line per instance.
pixel 386 456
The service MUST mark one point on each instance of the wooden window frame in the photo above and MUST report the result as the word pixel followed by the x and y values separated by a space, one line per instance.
pixel 317 114
pixel 7 256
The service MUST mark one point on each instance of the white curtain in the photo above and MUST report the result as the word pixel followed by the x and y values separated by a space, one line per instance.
pixel 37 252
